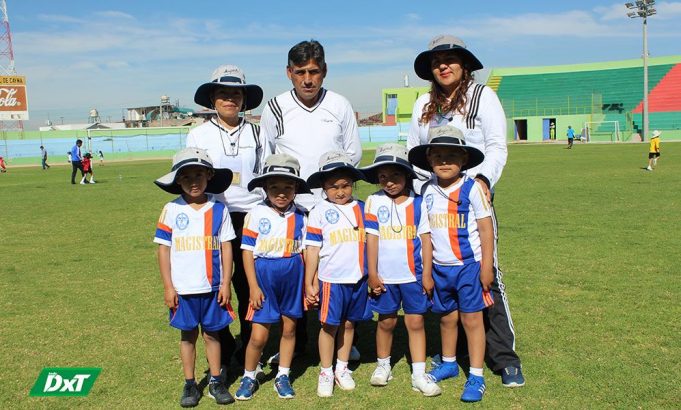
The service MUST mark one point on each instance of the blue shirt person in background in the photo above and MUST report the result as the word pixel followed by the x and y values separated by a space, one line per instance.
pixel 76 161
pixel 571 136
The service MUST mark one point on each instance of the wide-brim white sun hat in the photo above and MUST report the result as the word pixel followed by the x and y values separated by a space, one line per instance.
pixel 194 156
pixel 229 76
pixel 280 165
pixel 388 154
pixel 330 162
pixel 656 133
pixel 446 136
pixel 448 43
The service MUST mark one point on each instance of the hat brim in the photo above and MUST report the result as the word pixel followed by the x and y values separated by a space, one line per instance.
pixel 252 92
pixel 316 180
pixel 422 62
pixel 259 182
pixel 418 157
pixel 221 180
pixel 371 171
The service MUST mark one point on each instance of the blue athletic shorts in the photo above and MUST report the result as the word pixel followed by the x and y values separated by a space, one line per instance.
pixel 457 288
pixel 408 295
pixel 281 281
pixel 344 301
pixel 201 309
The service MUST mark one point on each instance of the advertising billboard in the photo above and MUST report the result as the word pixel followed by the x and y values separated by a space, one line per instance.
pixel 13 104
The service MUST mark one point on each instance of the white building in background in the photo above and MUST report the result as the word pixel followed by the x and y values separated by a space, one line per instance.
pixel 81 127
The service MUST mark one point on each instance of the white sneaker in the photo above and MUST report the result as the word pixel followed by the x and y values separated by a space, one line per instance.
pixel 344 380
pixel 426 385
pixel 381 376
pixel 259 373
pixel 325 385
pixel 92 181
pixel 354 355
pixel 274 359
pixel 648 168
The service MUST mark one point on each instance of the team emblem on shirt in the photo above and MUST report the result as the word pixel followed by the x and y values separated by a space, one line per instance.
pixel 383 214
pixel 429 201
pixel 332 216
pixel 182 221
pixel 264 226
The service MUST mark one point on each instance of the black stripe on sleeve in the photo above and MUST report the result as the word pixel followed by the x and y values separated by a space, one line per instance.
pixel 276 110
pixel 474 106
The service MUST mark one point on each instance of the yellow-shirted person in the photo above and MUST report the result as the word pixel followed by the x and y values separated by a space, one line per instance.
pixel 654 151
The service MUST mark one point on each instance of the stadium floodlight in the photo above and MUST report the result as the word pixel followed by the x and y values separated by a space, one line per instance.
pixel 643 9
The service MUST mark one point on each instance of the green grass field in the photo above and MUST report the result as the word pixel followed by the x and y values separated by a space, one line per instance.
pixel 589 243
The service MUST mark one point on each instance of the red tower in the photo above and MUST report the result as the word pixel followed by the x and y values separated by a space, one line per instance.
pixel 7 63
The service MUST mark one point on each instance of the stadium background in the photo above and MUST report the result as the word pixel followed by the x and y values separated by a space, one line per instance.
pixel 534 99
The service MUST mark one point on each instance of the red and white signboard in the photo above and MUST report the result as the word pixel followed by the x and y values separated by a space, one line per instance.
pixel 13 104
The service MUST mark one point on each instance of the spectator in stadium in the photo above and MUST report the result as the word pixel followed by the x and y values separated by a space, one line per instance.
pixel 234 143
pixel 43 158
pixel 654 151
pixel 571 136
pixel 76 161
pixel 456 100
pixel 307 122
pixel 101 157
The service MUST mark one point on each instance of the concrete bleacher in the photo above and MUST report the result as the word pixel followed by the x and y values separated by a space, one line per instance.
pixel 611 91
pixel 572 92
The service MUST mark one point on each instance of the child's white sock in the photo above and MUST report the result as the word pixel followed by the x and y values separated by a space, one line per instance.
pixel 250 374
pixel 384 362
pixel 418 368
pixel 476 371
pixel 341 366
pixel 327 370
pixel 283 371
pixel 446 359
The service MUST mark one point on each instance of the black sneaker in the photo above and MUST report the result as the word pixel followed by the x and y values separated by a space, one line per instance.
pixel 190 395
pixel 218 391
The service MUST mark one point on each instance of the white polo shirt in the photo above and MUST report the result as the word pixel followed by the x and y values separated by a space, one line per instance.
pixel 289 127
pixel 483 126
pixel 245 158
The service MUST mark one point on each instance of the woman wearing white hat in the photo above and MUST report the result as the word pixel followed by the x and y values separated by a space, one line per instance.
pixel 234 143
pixel 456 100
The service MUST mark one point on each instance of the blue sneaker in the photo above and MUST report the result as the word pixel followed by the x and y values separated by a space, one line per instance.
pixel 282 385
pixel 246 389
pixel 512 376
pixel 445 370
pixel 473 389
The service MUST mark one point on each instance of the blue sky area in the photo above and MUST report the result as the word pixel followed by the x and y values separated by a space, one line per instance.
pixel 109 55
